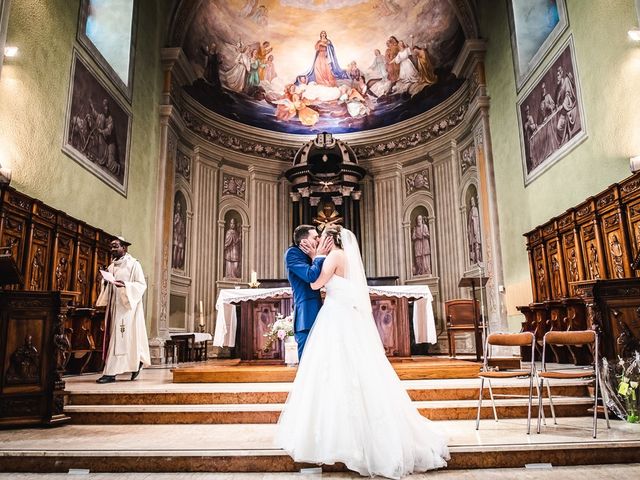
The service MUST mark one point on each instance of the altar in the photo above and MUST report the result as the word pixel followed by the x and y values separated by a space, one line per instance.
pixel 259 307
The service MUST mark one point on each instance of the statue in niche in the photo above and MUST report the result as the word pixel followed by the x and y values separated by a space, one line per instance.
pixel 555 274
pixel 594 268
pixel 573 266
pixel 24 364
pixel 36 270
pixel 616 256
pixel 473 232
pixel 179 235
pixel 541 281
pixel 61 274
pixel 232 250
pixel 421 238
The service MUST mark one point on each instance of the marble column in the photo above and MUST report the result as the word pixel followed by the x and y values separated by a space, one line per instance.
pixel 265 247
pixel 295 209
pixel 206 181
pixel 389 248
pixel 346 207
pixel 306 206
pixel 355 195
pixel 159 286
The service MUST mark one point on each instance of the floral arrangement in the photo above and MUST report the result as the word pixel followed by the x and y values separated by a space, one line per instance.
pixel 279 330
pixel 620 382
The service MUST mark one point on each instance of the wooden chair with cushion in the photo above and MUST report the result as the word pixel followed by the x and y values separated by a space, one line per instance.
pixel 592 372
pixel 524 340
pixel 463 317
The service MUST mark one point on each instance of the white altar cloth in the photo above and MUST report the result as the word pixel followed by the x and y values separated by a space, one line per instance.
pixel 424 325
pixel 197 336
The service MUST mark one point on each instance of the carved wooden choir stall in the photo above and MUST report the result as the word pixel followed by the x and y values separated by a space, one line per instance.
pixel 582 275
pixel 47 325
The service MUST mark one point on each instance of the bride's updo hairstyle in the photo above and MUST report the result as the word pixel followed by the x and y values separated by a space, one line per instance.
pixel 334 231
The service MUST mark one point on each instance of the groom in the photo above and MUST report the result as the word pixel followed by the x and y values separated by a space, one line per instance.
pixel 304 261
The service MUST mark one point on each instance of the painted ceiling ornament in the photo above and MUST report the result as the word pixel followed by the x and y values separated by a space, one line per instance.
pixel 417 181
pixel 232 185
pixel 356 66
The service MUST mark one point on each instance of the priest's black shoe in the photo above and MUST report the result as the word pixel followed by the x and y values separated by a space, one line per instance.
pixel 106 379
pixel 134 375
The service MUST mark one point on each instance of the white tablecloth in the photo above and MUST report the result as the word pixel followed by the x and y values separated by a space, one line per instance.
pixel 424 325
pixel 198 336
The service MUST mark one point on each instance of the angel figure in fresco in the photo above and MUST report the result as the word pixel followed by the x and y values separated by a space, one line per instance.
pixel 234 78
pixel 263 54
pixel 248 8
pixel 270 70
pixel 261 16
pixel 387 7
pixel 378 69
pixel 424 66
pixel 325 69
pixel 292 104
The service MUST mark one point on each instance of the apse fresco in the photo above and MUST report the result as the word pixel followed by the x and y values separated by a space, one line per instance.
pixel 306 66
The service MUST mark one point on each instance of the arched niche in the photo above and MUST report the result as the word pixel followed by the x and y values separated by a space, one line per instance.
pixel 420 239
pixel 470 218
pixel 180 231
pixel 233 234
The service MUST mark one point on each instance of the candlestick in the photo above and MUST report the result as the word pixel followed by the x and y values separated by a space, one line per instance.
pixel 254 280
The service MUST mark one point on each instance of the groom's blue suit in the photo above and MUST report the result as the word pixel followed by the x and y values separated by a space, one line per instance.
pixel 301 272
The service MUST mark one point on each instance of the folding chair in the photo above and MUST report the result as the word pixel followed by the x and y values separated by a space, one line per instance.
pixel 523 339
pixel 572 338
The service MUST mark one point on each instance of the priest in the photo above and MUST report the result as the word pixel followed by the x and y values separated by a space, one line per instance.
pixel 125 346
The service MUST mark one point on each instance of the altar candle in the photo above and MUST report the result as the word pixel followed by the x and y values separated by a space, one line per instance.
pixel 254 277
pixel 201 309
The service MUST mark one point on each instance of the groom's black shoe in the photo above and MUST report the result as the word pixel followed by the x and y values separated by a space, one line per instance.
pixel 135 374
pixel 106 379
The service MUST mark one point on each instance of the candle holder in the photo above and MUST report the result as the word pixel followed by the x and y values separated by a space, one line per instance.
pixel 201 328
pixel 254 284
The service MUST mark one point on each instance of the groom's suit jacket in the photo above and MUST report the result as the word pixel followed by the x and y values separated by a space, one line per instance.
pixel 301 272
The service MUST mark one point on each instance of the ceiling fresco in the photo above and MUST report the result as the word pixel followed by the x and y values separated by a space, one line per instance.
pixel 305 66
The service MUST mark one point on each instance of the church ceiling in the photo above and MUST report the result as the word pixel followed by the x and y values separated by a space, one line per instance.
pixel 269 63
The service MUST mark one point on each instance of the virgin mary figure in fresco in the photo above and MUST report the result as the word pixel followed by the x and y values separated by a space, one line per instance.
pixel 325 69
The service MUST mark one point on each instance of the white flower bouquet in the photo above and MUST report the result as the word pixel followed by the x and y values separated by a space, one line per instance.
pixel 279 330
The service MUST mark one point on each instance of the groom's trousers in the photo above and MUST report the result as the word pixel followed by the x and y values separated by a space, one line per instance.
pixel 301 339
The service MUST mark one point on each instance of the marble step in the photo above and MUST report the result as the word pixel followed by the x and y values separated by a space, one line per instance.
pixel 250 448
pixel 240 413
pixel 249 394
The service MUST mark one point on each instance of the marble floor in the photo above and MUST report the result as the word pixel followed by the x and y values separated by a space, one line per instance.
pixel 601 472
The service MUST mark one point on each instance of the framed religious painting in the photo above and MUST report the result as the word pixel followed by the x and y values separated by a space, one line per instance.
pixel 550 114
pixel 107 31
pixel 535 27
pixel 97 127
pixel 4 21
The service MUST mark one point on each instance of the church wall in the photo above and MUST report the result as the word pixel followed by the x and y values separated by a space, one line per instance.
pixel 33 101
pixel 608 69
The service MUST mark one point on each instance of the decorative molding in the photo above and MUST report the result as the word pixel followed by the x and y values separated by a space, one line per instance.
pixel 404 142
pixel 418 181
pixel 183 166
pixel 234 186
pixel 236 143
pixel 467 159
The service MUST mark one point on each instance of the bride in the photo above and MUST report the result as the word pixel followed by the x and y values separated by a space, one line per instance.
pixel 347 403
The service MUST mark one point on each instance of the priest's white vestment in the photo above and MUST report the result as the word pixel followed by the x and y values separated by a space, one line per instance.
pixel 128 342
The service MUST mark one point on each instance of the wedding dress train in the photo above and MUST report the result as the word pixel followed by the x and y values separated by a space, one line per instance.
pixel 347 404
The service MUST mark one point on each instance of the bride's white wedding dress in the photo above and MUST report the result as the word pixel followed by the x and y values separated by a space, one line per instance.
pixel 347 404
